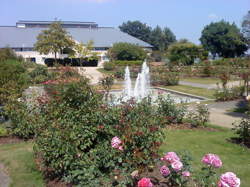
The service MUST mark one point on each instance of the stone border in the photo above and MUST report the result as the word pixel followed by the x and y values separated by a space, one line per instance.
pixel 176 92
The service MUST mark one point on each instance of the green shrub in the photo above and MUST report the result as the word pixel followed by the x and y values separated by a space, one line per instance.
pixel 109 66
pixel 126 51
pixel 200 116
pixel 13 80
pixel 185 53
pixel 242 129
pixel 167 107
pixel 8 53
pixel 128 63
pixel 227 94
pixel 3 131
pixel 76 144
pixel 166 79
pixel 41 74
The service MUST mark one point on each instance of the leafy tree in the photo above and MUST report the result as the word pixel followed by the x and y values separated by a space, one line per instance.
pixel 246 27
pixel 162 38
pixel 54 40
pixel 224 39
pixel 84 51
pixel 158 37
pixel 137 29
pixel 126 51
pixel 185 53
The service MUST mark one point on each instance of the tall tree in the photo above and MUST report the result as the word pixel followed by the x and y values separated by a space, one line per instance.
pixel 246 27
pixel 185 53
pixel 224 39
pixel 137 29
pixel 54 40
pixel 158 37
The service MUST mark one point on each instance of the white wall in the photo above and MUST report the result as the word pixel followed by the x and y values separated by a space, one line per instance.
pixel 40 57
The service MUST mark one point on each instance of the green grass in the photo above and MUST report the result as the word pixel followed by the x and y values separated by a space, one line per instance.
pixel 209 93
pixel 198 143
pixel 19 161
pixel 102 70
pixel 202 80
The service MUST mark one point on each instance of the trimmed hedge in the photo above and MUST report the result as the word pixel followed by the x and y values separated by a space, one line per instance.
pixel 50 62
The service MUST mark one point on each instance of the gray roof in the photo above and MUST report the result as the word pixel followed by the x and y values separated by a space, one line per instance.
pixel 103 36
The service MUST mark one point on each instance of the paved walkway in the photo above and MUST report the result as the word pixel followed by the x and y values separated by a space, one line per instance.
pixel 4 178
pixel 92 73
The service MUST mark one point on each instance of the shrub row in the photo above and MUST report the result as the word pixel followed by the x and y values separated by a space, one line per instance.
pixel 50 62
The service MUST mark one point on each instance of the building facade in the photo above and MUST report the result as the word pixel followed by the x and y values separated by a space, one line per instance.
pixel 22 37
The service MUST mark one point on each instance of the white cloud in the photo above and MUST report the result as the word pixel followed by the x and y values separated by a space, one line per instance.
pixel 212 16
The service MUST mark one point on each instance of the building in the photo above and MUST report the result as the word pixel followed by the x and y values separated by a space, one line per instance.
pixel 22 37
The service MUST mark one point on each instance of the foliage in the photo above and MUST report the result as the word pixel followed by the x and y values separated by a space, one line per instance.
pixel 126 51
pixel 200 116
pixel 76 143
pixel 185 53
pixel 158 37
pixel 162 38
pixel 242 129
pixel 165 78
pixel 53 40
pixel 24 121
pixel 8 53
pixel 128 63
pixel 13 80
pixel 224 39
pixel 40 74
pixel 246 27
pixel 137 29
pixel 229 93
pixel 109 66
pixel 84 51
pixel 106 83
pixel 3 131
pixel 167 107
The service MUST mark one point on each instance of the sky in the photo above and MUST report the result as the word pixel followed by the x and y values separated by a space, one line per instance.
pixel 186 18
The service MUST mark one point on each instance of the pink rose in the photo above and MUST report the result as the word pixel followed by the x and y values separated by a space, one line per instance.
pixel 212 160
pixel 164 171
pixel 145 182
pixel 177 165
pixel 115 142
pixel 170 157
pixel 120 148
pixel 229 179
pixel 186 174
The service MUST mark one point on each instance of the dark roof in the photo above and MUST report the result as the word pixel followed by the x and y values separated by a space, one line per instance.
pixel 103 37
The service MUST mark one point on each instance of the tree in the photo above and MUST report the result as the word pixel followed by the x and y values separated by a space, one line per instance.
pixel 158 37
pixel 126 51
pixel 224 39
pixel 246 27
pixel 185 53
pixel 136 29
pixel 54 40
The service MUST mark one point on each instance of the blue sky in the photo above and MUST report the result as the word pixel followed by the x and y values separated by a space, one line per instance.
pixel 186 18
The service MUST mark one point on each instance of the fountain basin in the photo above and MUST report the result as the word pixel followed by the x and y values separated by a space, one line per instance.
pixel 178 97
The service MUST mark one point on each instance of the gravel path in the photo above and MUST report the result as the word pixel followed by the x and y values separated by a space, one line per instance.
pixel 4 178
pixel 92 73
pixel 220 113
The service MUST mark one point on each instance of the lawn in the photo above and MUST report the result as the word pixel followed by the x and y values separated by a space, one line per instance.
pixel 234 157
pixel 209 93
pixel 202 80
pixel 19 161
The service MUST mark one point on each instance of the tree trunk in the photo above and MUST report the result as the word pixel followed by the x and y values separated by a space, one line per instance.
pixel 55 58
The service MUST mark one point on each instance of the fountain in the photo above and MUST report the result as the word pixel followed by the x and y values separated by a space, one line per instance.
pixel 142 84
pixel 143 89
